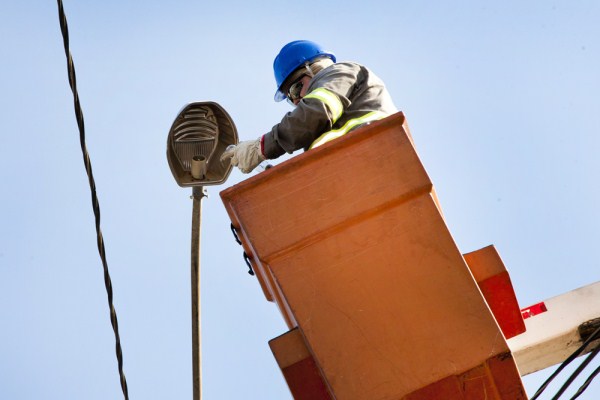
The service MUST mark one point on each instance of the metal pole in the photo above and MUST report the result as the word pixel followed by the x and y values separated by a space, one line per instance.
pixel 198 193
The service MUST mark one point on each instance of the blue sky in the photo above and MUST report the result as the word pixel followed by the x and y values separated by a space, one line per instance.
pixel 502 101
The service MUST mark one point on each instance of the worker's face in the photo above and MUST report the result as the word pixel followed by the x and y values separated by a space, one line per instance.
pixel 303 83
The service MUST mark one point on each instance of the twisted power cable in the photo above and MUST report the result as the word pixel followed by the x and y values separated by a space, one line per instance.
pixel 96 206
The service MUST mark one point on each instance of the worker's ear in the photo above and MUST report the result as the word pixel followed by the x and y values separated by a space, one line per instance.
pixel 306 83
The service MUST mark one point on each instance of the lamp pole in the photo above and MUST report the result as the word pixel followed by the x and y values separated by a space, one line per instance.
pixel 197 138
pixel 198 192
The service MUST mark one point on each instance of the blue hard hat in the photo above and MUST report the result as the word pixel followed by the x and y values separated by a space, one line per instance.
pixel 292 56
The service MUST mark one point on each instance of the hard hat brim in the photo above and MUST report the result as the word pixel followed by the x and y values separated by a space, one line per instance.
pixel 279 96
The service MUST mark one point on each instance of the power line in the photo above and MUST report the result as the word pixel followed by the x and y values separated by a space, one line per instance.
pixel 595 335
pixel 575 374
pixel 95 204
pixel 586 383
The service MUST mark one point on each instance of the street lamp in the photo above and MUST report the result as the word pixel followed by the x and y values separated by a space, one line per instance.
pixel 199 135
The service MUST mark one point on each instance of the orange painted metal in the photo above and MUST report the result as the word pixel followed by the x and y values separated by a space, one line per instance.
pixel 299 368
pixel 493 379
pixel 350 243
pixel 495 284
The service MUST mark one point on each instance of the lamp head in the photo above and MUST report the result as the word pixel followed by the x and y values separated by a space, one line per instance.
pixel 198 136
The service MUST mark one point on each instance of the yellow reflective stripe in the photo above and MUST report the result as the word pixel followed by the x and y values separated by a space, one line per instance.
pixel 331 101
pixel 336 133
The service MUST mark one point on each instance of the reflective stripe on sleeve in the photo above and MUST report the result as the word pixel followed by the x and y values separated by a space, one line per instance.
pixel 331 101
pixel 336 133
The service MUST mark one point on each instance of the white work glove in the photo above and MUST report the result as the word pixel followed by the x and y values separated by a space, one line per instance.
pixel 245 155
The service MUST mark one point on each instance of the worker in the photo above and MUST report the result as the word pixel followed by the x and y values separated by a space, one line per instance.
pixel 330 99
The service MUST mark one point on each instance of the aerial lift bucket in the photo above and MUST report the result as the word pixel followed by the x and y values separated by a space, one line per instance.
pixel 349 241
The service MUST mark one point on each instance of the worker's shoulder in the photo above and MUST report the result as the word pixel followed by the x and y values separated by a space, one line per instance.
pixel 340 69
pixel 346 65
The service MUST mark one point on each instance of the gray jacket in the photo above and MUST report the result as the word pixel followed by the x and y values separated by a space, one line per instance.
pixel 359 90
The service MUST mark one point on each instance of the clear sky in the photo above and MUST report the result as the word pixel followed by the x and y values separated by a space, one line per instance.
pixel 502 100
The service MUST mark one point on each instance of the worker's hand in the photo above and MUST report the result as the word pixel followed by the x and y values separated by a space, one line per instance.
pixel 245 155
